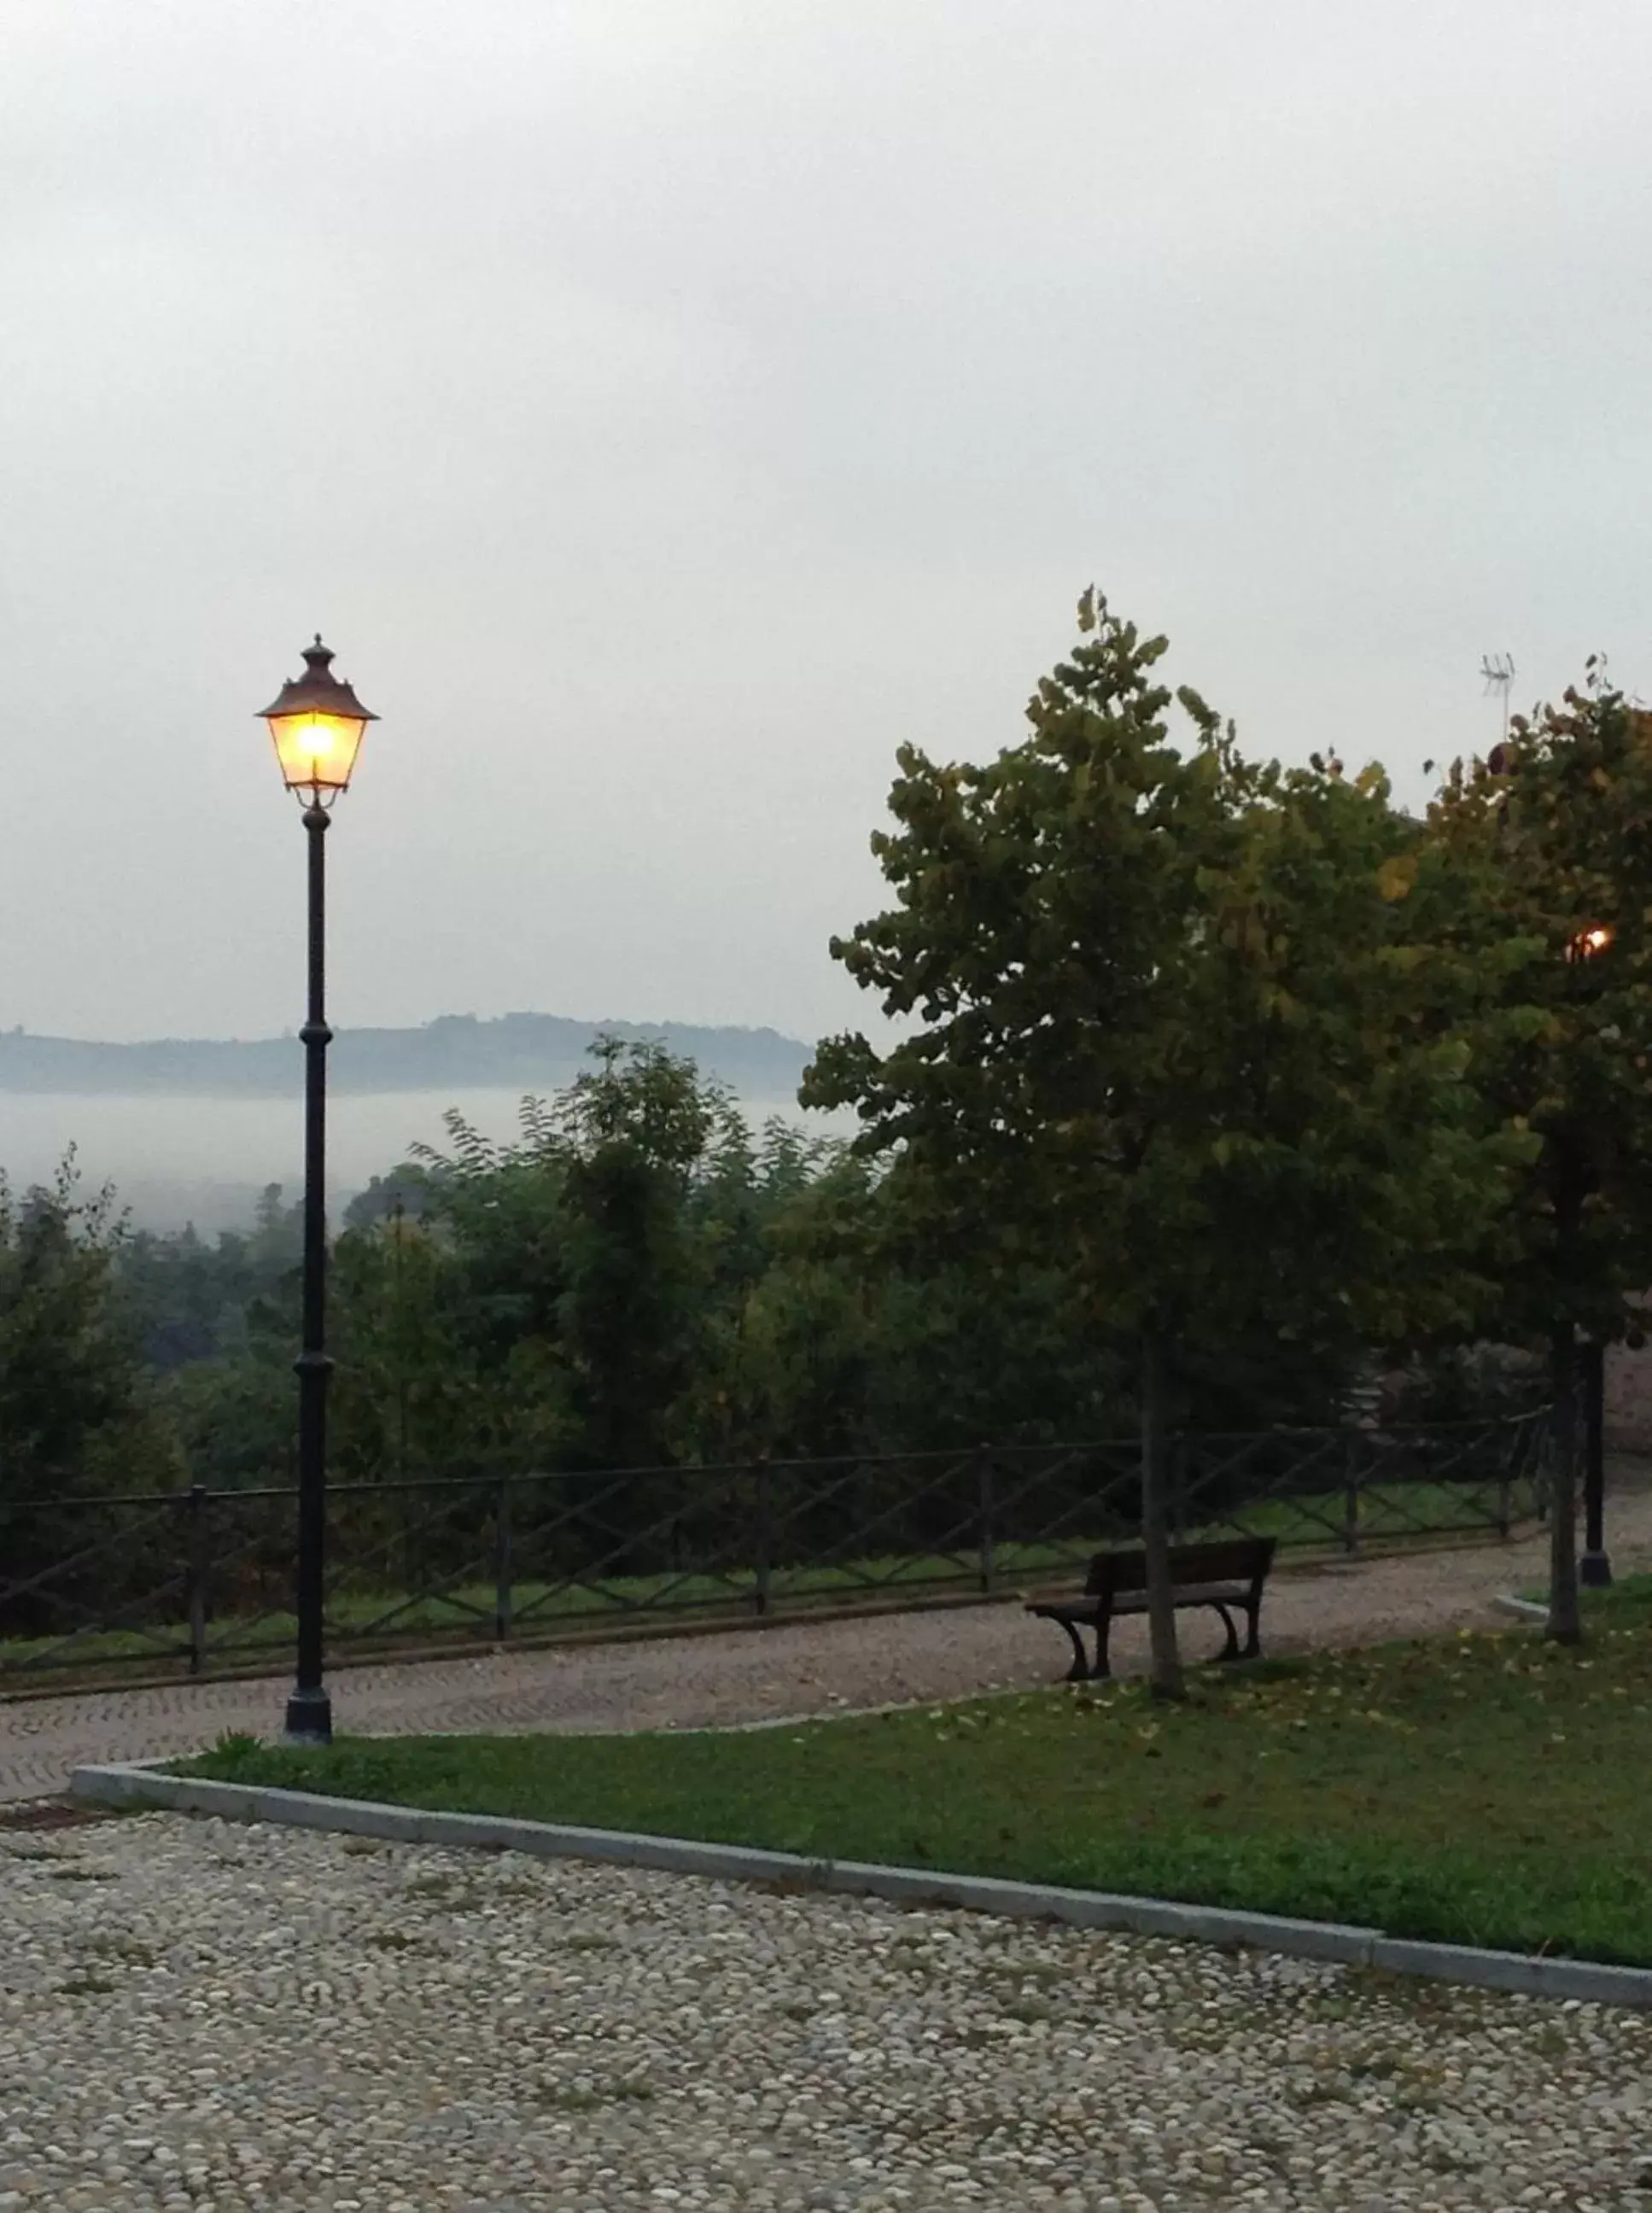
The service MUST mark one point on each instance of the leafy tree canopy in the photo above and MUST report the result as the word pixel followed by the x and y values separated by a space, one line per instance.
pixel 1170 1019
pixel 1544 854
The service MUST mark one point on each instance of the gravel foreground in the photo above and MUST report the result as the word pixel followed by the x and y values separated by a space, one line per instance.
pixel 199 2014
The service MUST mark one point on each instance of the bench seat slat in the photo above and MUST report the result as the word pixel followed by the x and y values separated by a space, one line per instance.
pixel 1087 1609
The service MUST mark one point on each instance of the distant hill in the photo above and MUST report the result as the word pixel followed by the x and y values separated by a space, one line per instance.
pixel 521 1052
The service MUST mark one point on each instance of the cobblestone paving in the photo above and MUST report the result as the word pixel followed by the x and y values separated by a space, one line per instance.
pixel 198 2016
pixel 740 1676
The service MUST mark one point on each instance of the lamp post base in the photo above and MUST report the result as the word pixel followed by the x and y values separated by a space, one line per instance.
pixel 309 1719
pixel 1594 1571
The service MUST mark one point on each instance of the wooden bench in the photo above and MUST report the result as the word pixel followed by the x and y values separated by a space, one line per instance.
pixel 1228 1576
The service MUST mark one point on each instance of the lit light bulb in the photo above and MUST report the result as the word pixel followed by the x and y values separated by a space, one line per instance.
pixel 1588 943
pixel 317 724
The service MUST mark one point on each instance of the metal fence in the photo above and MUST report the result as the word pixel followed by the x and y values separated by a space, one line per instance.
pixel 200 1581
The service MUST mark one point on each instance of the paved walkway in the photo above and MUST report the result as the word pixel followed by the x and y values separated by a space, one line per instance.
pixel 202 2018
pixel 701 1681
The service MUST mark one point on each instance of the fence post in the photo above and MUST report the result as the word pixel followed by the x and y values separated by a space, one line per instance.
pixel 195 1573
pixel 983 1501
pixel 762 1530
pixel 1351 1492
pixel 501 1591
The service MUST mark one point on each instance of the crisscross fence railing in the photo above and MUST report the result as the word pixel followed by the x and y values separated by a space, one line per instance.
pixel 200 1581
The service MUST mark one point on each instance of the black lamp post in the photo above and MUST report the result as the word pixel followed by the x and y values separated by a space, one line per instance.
pixel 317 723
pixel 1594 1568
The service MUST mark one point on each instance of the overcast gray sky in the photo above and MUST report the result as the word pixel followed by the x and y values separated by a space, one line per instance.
pixel 668 406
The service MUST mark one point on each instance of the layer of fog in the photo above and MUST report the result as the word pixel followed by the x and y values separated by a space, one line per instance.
pixel 205 1161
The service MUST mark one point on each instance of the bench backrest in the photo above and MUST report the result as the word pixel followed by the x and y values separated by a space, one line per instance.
pixel 1229 1560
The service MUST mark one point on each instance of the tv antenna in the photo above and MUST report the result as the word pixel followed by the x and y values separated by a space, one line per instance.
pixel 1498 670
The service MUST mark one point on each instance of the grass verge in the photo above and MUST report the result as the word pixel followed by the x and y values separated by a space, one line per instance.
pixel 1490 1789
pixel 1630 1596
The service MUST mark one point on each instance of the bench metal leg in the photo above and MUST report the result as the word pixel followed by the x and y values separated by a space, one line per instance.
pixel 1253 1642
pixel 1079 1670
pixel 1230 1650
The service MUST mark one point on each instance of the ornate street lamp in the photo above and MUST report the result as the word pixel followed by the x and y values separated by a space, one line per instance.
pixel 317 723
pixel 1595 1567
pixel 1587 943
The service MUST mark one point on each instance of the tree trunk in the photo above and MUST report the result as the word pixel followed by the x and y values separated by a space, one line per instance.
pixel 1565 1624
pixel 1167 1674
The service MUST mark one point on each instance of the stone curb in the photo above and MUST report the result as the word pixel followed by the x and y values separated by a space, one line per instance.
pixel 144 1784
pixel 1523 1609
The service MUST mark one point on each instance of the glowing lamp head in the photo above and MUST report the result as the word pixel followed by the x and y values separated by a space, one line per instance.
pixel 317 723
pixel 1588 943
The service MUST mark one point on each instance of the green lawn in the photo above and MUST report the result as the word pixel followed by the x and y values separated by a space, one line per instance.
pixel 1630 1593
pixel 1489 1789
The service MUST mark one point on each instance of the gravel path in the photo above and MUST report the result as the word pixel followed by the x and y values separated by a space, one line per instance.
pixel 797 1667
pixel 196 2016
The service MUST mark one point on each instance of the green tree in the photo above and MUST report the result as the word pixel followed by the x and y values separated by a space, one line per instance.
pixel 578 1250
pixel 405 1192
pixel 77 1416
pixel 406 1401
pixel 1164 1014
pixel 868 1332
pixel 235 1414
pixel 1545 859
